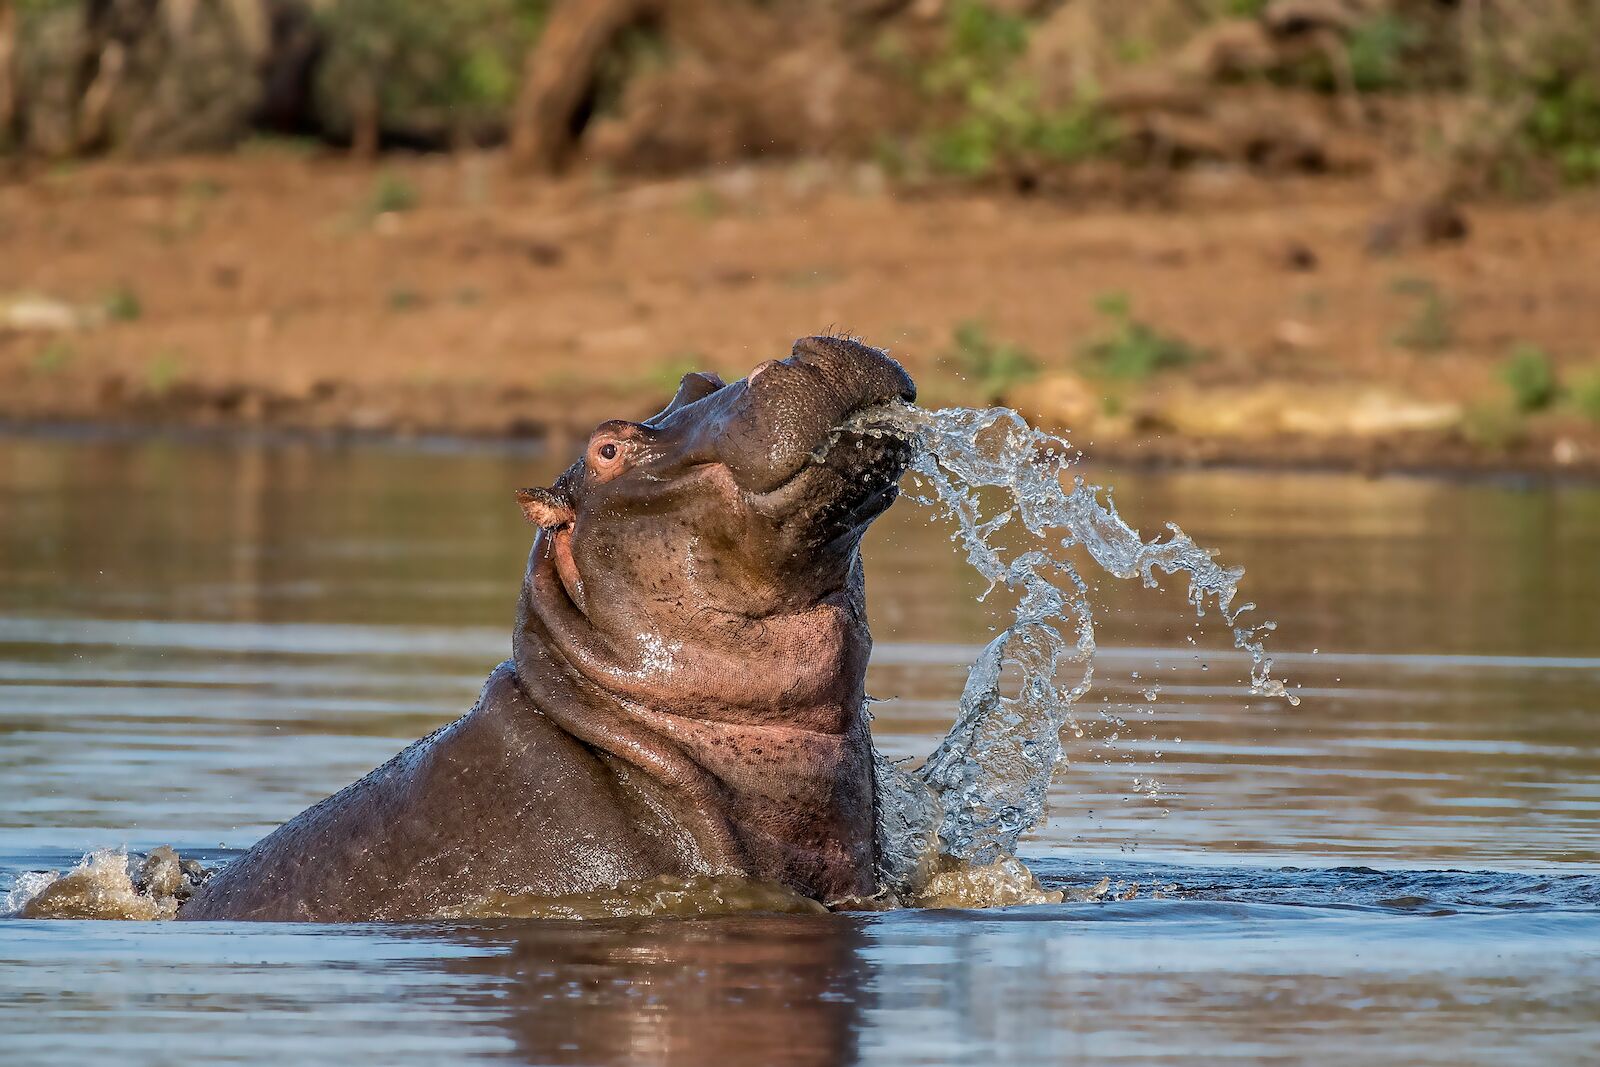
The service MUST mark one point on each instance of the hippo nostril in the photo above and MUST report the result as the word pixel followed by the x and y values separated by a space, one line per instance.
pixel 759 371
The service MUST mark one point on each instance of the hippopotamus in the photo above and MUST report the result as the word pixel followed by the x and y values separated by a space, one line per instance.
pixel 685 695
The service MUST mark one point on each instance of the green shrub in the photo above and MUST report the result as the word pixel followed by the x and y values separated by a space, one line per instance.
pixel 163 371
pixel 1378 48
pixel 56 357
pixel 994 367
pixel 1586 394
pixel 122 304
pixel 1564 125
pixel 1431 327
pixel 998 117
pixel 1542 61
pixel 404 298
pixel 1133 350
pixel 391 192
pixel 1493 427
pixel 980 45
pixel 1531 379
pixel 436 70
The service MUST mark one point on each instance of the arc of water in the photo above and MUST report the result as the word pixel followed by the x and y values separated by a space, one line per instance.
pixel 986 783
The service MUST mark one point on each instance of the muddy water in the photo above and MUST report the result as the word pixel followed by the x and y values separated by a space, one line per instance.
pixel 197 641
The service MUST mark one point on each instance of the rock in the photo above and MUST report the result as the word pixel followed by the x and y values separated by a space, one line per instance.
pixel 1371 413
pixel 1416 223
pixel 1298 256
pixel 1273 410
pixel 1292 333
pixel 33 313
pixel 1067 401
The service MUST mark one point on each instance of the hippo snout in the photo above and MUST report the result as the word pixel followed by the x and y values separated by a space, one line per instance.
pixel 863 375
pixel 791 406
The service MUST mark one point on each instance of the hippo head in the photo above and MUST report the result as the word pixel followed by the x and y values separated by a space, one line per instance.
pixel 744 499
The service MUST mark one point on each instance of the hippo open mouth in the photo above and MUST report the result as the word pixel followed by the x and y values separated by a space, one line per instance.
pixel 687 686
pixel 791 410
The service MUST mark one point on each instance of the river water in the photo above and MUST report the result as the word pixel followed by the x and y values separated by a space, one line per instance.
pixel 198 640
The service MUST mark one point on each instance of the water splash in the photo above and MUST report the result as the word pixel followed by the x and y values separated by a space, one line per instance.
pixel 948 831
pixel 109 883
pixel 986 783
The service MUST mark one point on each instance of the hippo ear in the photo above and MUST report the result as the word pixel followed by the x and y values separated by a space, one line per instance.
pixel 545 508
pixel 696 385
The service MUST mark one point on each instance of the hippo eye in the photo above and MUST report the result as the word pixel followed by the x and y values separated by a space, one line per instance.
pixel 608 451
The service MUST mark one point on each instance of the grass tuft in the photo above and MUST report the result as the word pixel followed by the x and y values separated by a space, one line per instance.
pixel 994 367
pixel 1530 377
pixel 1131 349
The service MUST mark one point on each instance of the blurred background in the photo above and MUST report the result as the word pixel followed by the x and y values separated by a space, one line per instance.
pixel 265 265
pixel 1357 233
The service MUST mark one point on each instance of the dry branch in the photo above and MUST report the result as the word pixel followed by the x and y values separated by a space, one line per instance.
pixel 559 72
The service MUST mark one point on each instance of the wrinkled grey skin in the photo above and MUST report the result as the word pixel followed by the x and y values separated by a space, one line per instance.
pixel 685 695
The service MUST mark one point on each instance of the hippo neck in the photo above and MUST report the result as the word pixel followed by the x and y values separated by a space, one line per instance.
pixel 754 727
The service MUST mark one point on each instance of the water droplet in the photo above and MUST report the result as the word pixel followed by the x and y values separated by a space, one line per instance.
pixel 989 780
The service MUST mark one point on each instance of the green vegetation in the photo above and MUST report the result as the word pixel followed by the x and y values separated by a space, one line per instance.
pixel 1586 394
pixel 1133 350
pixel 122 304
pixel 638 48
pixel 203 189
pixel 1431 327
pixel 163 371
pixel 1378 48
pixel 1493 427
pixel 57 356
pixel 268 145
pixel 404 298
pixel 1539 63
pixel 391 193
pixel 1534 385
pixel 436 70
pixel 1564 124
pixel 1531 379
pixel 1521 76
pixel 999 120
pixel 993 367
pixel 706 203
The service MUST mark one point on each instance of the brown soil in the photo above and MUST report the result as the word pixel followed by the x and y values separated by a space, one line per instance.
pixel 271 293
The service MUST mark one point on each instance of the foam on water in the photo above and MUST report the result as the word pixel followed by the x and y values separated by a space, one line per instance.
pixel 108 883
pixel 986 783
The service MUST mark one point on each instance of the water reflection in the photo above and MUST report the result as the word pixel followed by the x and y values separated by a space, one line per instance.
pixel 781 990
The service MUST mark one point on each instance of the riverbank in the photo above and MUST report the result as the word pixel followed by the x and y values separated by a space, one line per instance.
pixel 1214 319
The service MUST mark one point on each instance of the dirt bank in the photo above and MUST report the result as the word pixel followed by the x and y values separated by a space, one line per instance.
pixel 1229 320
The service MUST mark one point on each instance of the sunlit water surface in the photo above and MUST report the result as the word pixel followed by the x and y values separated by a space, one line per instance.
pixel 199 640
